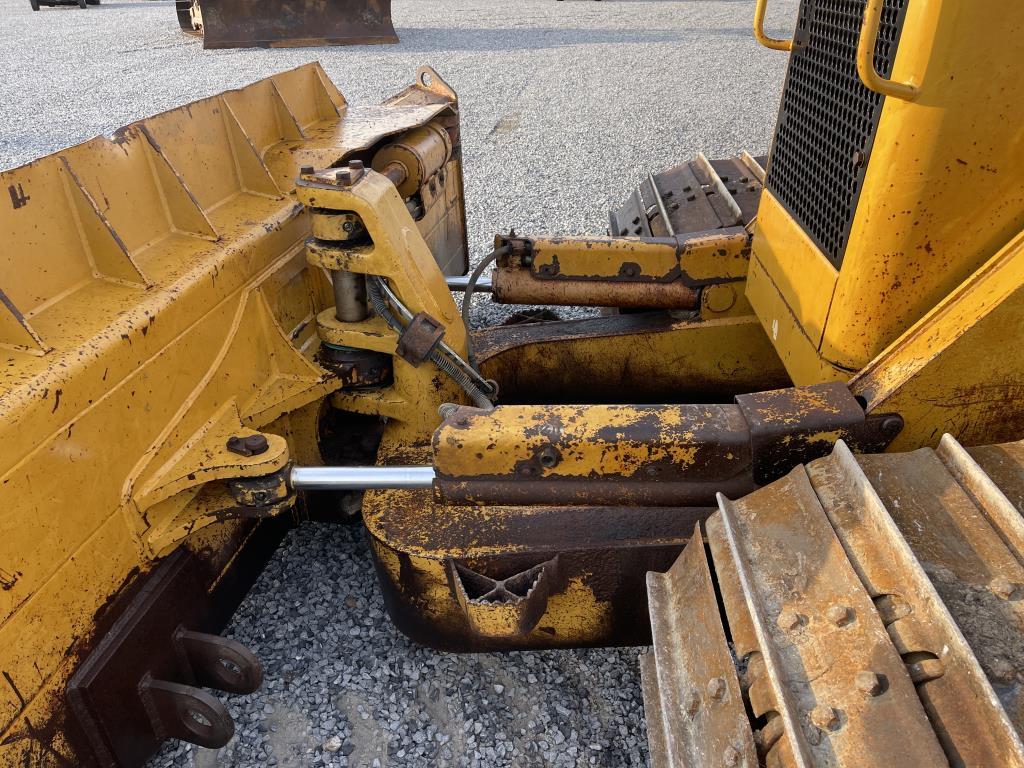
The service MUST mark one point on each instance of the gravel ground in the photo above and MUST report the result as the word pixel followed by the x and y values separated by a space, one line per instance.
pixel 565 106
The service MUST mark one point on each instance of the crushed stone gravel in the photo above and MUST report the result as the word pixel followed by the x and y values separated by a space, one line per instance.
pixel 565 107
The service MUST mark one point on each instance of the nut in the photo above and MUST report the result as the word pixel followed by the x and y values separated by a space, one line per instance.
pixel 307 170
pixel 789 619
pixel 839 615
pixel 250 445
pixel 824 717
pixel 869 682
pixel 716 688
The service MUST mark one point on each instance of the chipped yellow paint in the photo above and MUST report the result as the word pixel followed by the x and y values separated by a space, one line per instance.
pixel 592 440
pixel 575 613
pixel 604 256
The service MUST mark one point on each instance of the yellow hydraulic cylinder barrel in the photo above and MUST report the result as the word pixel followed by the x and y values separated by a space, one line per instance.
pixel 412 160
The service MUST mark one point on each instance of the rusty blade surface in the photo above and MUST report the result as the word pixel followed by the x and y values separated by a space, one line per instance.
pixel 914 534
pixel 839 685
pixel 694 706
pixel 295 23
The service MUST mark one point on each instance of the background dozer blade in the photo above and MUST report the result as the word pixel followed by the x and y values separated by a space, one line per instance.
pixel 295 23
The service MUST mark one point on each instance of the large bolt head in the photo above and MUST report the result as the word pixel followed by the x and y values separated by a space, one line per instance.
pixel 824 717
pixel 789 620
pixel 869 682
pixel 250 445
pixel 839 615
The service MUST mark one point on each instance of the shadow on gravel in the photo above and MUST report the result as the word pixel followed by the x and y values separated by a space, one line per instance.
pixel 427 39
pixel 432 39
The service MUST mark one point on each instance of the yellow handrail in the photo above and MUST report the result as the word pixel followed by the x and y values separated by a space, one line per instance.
pixel 761 37
pixel 866 57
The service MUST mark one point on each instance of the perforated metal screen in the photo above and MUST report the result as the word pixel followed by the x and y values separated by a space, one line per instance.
pixel 828 118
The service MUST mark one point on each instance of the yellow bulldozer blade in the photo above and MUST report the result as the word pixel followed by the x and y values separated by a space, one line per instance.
pixel 156 310
pixel 287 23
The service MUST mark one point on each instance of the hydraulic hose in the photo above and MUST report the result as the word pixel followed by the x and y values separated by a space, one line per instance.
pixel 467 299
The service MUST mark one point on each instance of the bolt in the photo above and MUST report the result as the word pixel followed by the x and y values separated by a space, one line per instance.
pixel 730 757
pixel 824 717
pixel 691 703
pixel 924 670
pixel 250 445
pixel 858 158
pixel 716 688
pixel 355 165
pixel 344 176
pixel 838 615
pixel 348 226
pixel 307 170
pixel 868 682
pixel 789 620
pixel 1002 587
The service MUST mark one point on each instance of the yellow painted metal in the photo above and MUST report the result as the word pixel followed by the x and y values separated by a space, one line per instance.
pixel 940 196
pixel 959 369
pixel 790 286
pixel 649 273
pixel 712 257
pixel 704 361
pixel 155 299
pixel 604 256
pixel 597 440
pixel 866 56
pixel 759 34
pixel 398 252
pixel 573 616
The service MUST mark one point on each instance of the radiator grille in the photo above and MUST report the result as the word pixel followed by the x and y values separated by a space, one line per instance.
pixel 827 119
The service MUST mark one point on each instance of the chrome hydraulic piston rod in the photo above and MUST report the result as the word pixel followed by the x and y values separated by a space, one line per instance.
pixel 360 478
pixel 459 283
